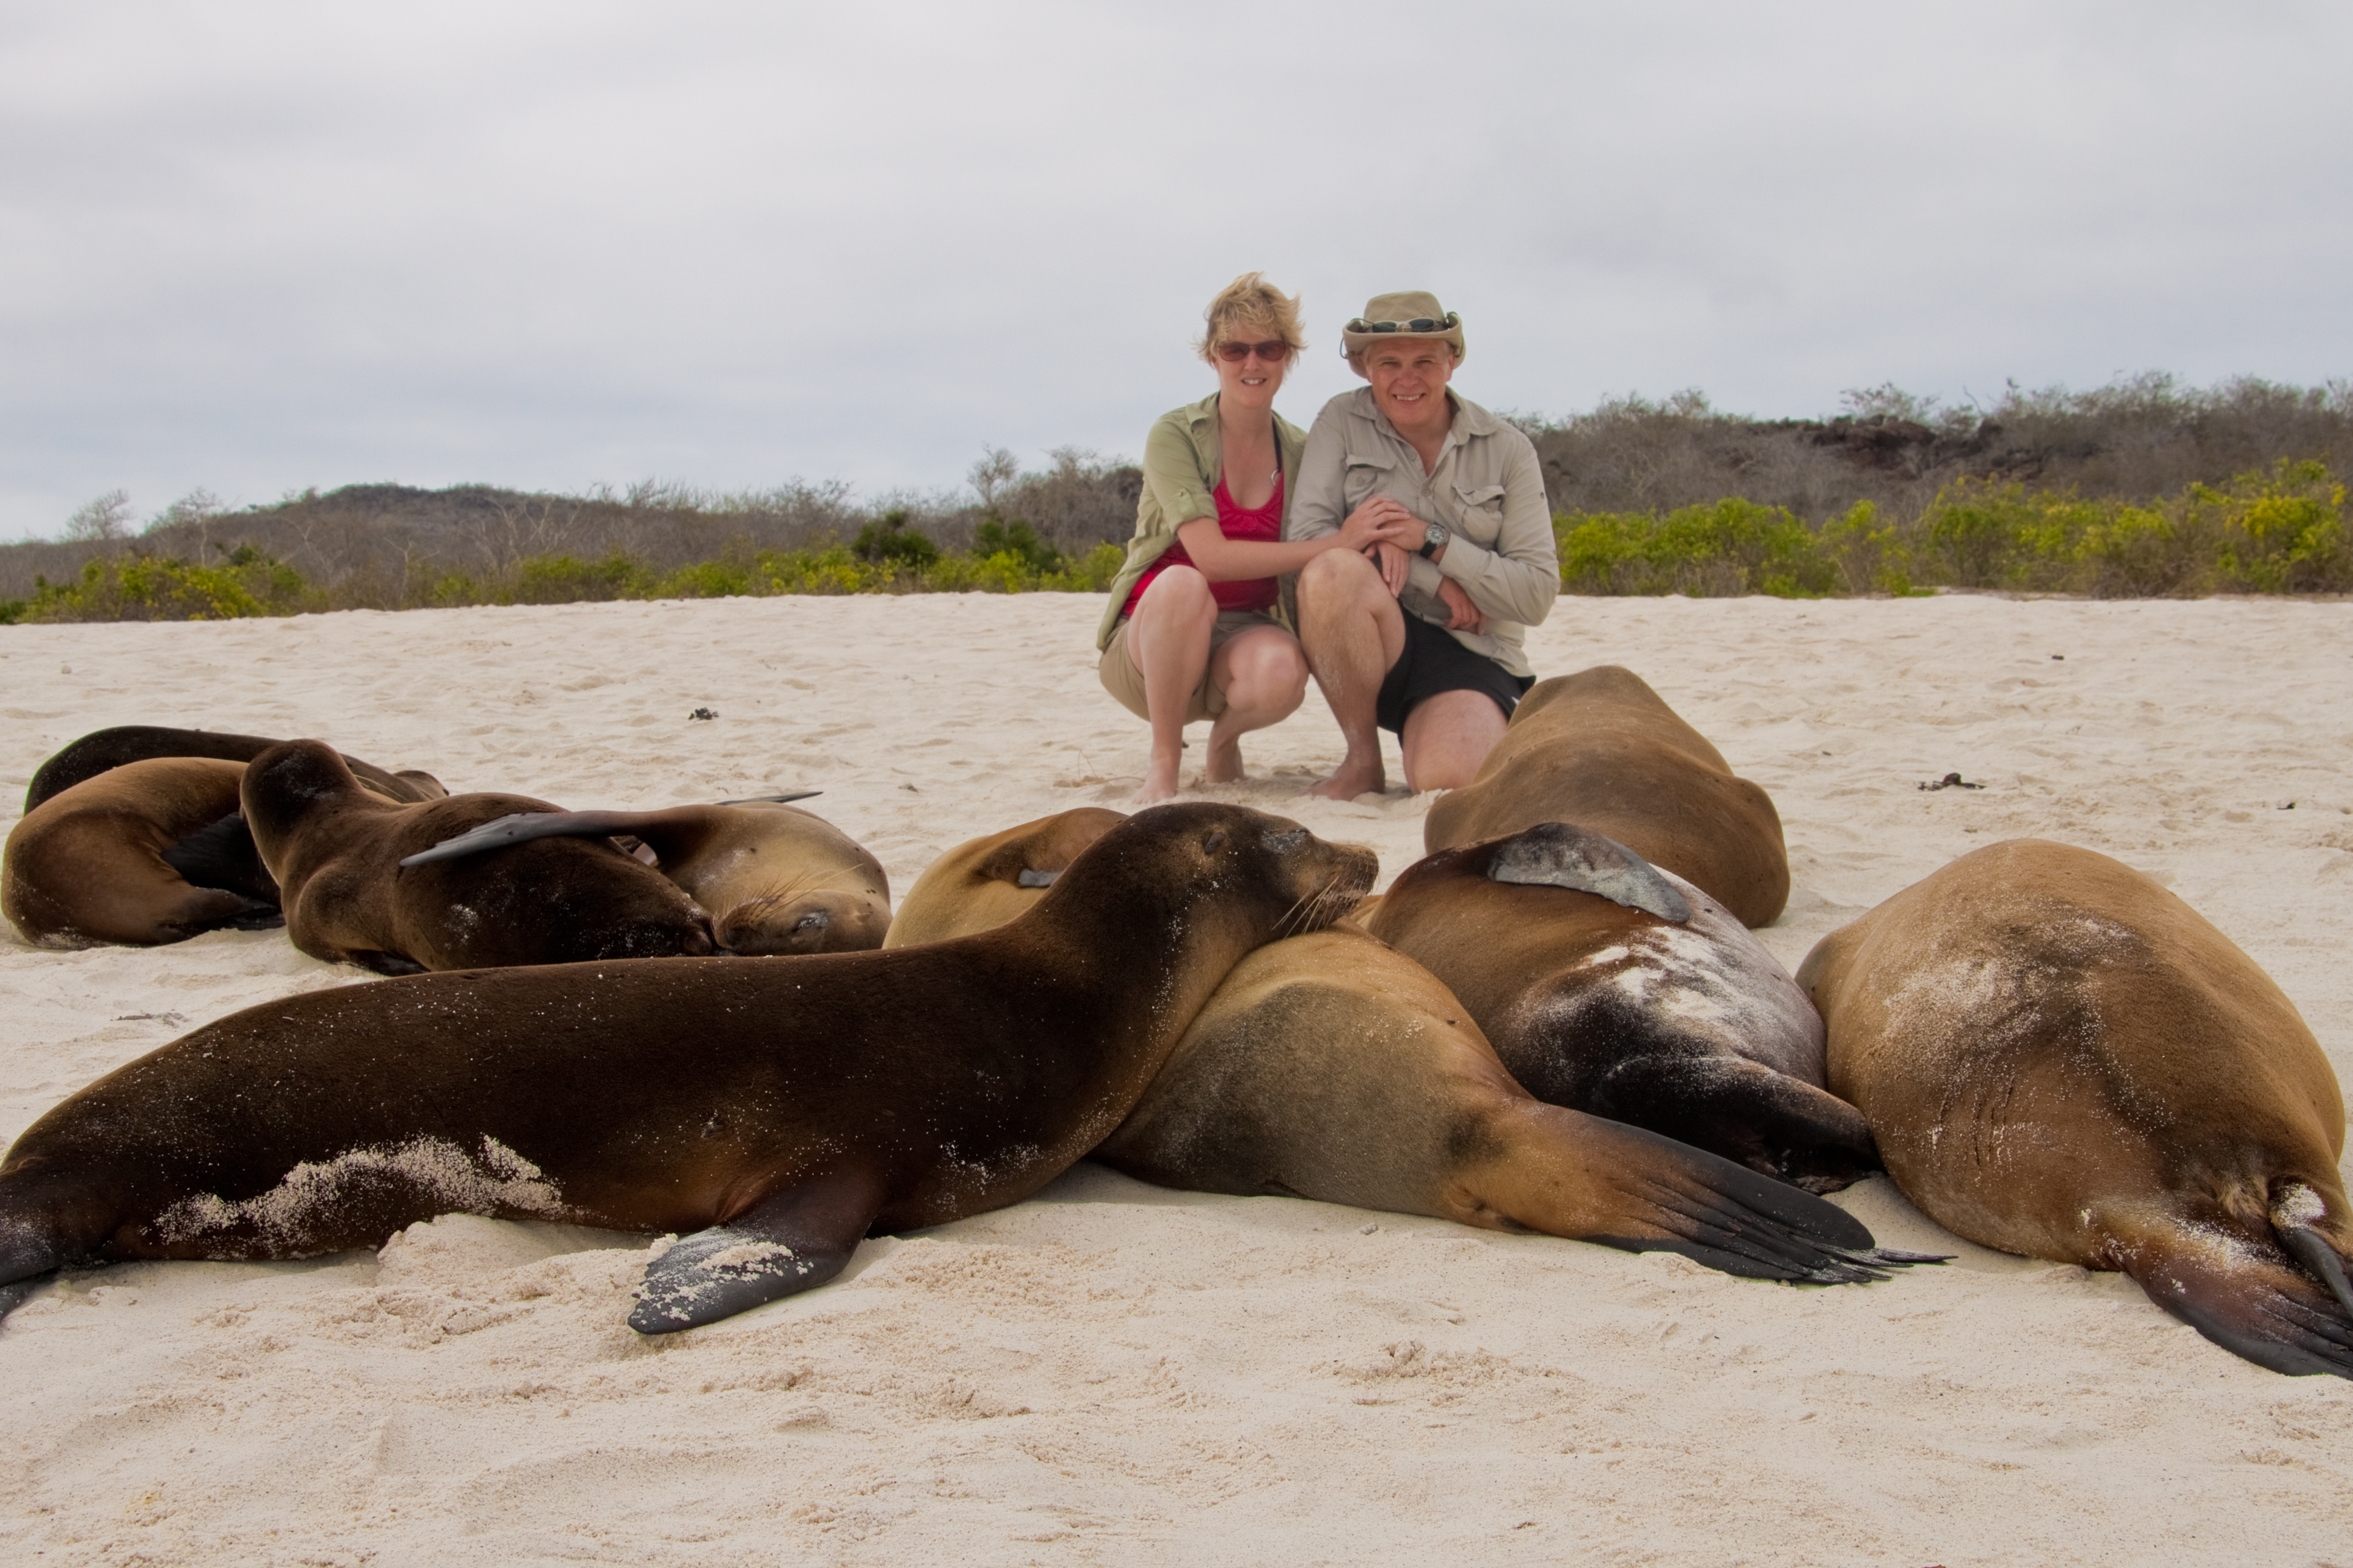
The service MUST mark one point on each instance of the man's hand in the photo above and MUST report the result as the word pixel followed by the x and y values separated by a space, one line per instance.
pixel 1463 616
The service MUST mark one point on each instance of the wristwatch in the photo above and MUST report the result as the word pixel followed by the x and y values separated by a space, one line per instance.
pixel 1433 540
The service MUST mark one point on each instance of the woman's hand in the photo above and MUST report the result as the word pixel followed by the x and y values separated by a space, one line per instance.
pixel 1463 616
pixel 1394 563
pixel 1381 518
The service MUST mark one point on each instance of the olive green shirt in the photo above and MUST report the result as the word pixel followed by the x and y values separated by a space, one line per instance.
pixel 1486 490
pixel 1181 463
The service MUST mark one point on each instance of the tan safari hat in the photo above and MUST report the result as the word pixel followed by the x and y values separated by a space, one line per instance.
pixel 1412 314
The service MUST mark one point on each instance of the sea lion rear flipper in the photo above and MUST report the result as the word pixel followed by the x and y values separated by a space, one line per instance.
pixel 2262 1310
pixel 2313 1250
pixel 1746 1111
pixel 791 1240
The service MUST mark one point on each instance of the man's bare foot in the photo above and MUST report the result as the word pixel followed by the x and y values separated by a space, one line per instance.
pixel 1225 762
pixel 1160 782
pixel 1351 780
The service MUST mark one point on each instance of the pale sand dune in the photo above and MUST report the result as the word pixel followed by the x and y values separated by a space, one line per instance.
pixel 1119 1373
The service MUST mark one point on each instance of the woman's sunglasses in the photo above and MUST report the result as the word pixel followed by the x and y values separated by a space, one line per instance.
pixel 1274 351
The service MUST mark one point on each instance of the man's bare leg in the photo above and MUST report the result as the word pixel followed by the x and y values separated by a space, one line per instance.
pixel 1447 737
pixel 1352 631
pixel 1168 637
pixel 1264 678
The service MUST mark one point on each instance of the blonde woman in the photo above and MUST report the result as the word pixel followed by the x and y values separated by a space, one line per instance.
pixel 1195 627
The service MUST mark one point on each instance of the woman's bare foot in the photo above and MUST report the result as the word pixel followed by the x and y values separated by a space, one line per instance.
pixel 1351 779
pixel 1225 761
pixel 1159 781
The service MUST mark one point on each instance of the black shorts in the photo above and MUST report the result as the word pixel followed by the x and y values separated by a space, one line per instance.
pixel 1433 662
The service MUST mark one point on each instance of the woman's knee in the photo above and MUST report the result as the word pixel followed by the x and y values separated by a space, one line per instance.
pixel 1178 591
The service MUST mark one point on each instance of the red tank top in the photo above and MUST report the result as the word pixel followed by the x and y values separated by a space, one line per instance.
pixel 1261 525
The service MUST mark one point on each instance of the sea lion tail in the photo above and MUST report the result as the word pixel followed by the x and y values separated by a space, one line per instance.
pixel 2245 1295
pixel 1567 1174
pixel 1744 1110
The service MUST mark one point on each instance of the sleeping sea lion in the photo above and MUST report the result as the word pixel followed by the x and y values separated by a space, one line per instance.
pixel 986 881
pixel 146 853
pixel 789 1109
pixel 775 878
pixel 335 848
pixel 1330 1066
pixel 1618 988
pixel 1601 748
pixel 2061 1059
pixel 100 750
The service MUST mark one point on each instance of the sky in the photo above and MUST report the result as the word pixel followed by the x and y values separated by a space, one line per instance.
pixel 257 247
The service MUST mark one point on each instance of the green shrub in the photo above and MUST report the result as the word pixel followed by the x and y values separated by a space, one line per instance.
pixel 890 541
pixel 1017 539
pixel 162 588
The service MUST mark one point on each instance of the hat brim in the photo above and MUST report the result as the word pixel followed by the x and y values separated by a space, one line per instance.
pixel 1354 343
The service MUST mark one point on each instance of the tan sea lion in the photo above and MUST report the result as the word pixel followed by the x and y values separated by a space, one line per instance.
pixel 1601 748
pixel 100 750
pixel 335 848
pixel 1614 987
pixel 775 878
pixel 149 852
pixel 1330 1066
pixel 2061 1059
pixel 788 1108
pixel 987 881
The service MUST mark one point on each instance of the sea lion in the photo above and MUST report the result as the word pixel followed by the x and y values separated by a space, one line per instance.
pixel 146 853
pixel 986 881
pixel 2061 1058
pixel 775 878
pixel 1618 988
pixel 789 1108
pixel 335 848
pixel 1602 750
pixel 1330 1066
pixel 100 750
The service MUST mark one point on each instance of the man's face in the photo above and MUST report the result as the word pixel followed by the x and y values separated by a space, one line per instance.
pixel 1409 377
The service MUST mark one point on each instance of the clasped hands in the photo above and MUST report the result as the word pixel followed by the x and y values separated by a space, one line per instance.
pixel 1383 529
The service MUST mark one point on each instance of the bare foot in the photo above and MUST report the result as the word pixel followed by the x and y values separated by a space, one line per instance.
pixel 1159 781
pixel 1351 780
pixel 1225 762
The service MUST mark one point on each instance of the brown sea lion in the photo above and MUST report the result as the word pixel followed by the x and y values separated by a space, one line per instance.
pixel 1614 987
pixel 775 878
pixel 2061 1059
pixel 1601 748
pixel 100 750
pixel 987 881
pixel 146 853
pixel 790 1108
pixel 335 848
pixel 1330 1066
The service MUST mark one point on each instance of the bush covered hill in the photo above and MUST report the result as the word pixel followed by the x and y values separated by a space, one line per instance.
pixel 2138 488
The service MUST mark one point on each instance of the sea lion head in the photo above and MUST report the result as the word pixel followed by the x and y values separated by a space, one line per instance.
pixel 821 920
pixel 1273 878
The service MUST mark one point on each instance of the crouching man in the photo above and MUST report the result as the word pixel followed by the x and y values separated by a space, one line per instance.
pixel 1424 642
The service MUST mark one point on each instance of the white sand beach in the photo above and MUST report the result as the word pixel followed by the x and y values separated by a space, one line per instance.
pixel 1118 1374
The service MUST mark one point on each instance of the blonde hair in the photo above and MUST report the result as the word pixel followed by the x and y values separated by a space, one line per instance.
pixel 1249 300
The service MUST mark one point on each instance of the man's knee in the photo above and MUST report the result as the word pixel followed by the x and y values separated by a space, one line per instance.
pixel 1269 672
pixel 1338 577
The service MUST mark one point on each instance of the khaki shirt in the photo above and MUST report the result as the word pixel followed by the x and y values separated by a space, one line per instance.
pixel 1181 463
pixel 1486 490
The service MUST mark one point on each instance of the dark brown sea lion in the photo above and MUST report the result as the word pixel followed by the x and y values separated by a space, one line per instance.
pixel 335 848
pixel 1601 748
pixel 100 750
pixel 987 881
pixel 790 1107
pixel 1330 1066
pixel 775 878
pixel 2061 1058
pixel 1611 986
pixel 149 852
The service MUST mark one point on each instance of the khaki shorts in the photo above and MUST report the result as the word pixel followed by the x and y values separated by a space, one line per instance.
pixel 1121 677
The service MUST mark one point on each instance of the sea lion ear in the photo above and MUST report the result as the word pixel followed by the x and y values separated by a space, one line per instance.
pixel 1213 841
pixel 1560 855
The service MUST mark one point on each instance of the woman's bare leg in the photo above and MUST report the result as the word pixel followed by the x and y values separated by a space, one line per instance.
pixel 1264 678
pixel 1168 637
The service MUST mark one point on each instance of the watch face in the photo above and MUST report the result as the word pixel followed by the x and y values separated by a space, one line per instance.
pixel 1432 536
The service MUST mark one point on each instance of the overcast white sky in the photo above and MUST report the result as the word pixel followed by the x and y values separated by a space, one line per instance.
pixel 260 246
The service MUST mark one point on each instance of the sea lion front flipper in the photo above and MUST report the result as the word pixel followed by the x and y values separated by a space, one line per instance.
pixel 789 1241
pixel 1746 1111
pixel 784 799
pixel 221 855
pixel 1562 855
pixel 523 827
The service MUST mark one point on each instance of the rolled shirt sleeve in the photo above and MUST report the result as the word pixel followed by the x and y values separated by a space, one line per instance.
pixel 1172 472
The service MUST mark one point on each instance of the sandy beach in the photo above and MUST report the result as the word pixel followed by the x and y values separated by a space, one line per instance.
pixel 1121 1373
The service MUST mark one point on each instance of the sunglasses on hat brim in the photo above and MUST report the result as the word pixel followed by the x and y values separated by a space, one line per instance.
pixel 1418 324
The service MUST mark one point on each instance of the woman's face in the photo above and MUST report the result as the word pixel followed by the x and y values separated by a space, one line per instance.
pixel 1409 378
pixel 1253 380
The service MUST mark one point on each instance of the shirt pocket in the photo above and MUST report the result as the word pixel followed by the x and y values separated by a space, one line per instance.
pixel 1363 475
pixel 1481 513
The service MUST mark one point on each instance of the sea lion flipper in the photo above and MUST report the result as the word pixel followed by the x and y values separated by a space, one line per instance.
pixel 221 855
pixel 785 798
pixel 1562 855
pixel 1746 1111
pixel 2261 1311
pixel 790 1241
pixel 522 827
pixel 2313 1250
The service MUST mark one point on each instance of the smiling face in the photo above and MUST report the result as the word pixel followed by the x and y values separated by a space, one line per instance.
pixel 1253 381
pixel 1409 378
